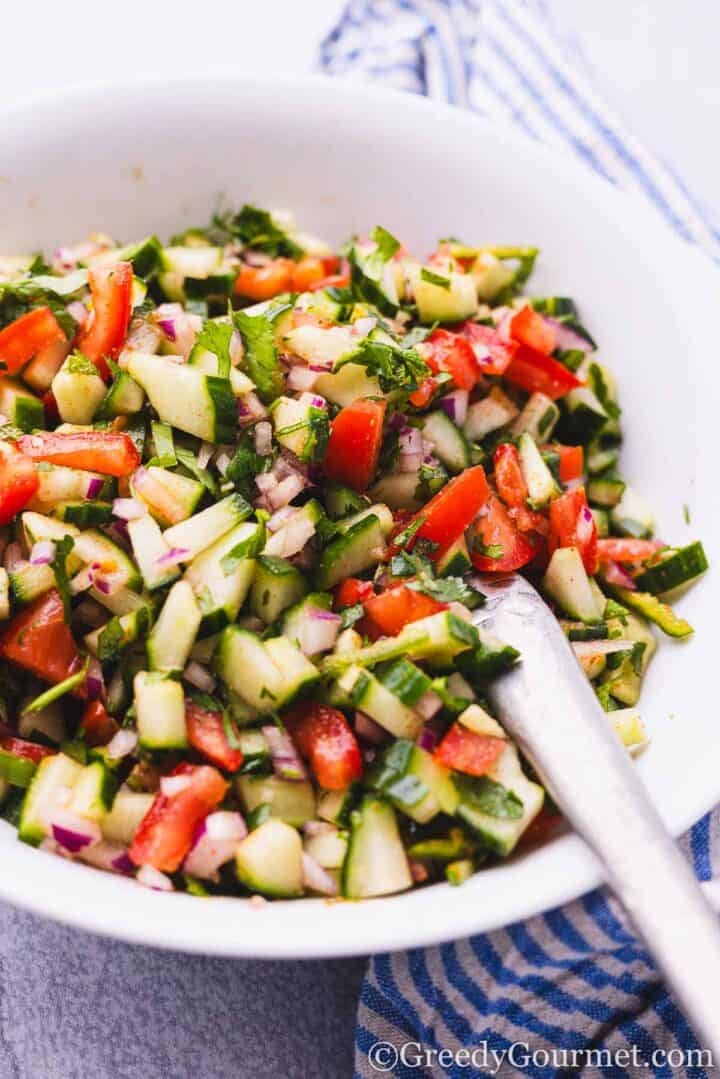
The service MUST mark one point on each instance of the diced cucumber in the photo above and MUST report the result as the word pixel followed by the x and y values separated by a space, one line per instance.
pixel 144 256
pixel 491 275
pixel 500 834
pixel 149 548
pixel 654 610
pixel 160 707
pixel 488 415
pixel 185 397
pixel 84 514
pixel 364 691
pixel 404 679
pixel 451 447
pixel 297 617
pixel 412 780
pixel 269 860
pixel 290 800
pixel 538 418
pixel 479 721
pixel 341 501
pixel 455 560
pixel 451 302
pixel 606 489
pixel 175 630
pixel 296 426
pixel 43 367
pixel 27 582
pixel 125 397
pixel 348 384
pixel 128 809
pixel 191 261
pixel 49 722
pixel 376 863
pixel 220 594
pixel 602 521
pixel 567 583
pixel 359 548
pixel 632 516
pixel 489 657
pixel 123 601
pixel 318 345
pixel 170 496
pixel 674 569
pixel 301 525
pixel 599 459
pixel 94 791
pixel 327 848
pixel 205 528
pixel 629 727
pixel 78 390
pixel 20 407
pixel 398 490
pixel 58 484
pixel 378 509
pixel 94 546
pixel 109 640
pixel 244 665
pixel 297 672
pixel 540 481
pixel 584 417
pixel 439 638
pixel 17 771
pixel 45 794
pixel 335 806
pixel 277 584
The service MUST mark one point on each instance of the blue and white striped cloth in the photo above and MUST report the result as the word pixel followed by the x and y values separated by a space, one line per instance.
pixel 577 977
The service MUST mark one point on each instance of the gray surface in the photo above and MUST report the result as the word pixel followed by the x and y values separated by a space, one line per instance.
pixel 75 1006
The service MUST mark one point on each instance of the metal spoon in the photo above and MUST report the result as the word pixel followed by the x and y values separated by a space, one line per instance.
pixel 548 707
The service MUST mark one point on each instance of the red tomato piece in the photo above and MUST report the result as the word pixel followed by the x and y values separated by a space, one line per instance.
pixel 573 525
pixel 307 273
pixel 50 407
pixel 546 825
pixel 397 606
pixel 324 738
pixel 535 372
pixel 626 550
pixel 207 734
pixel 336 280
pixel 108 452
pixel 572 461
pixel 20 747
pixel 449 512
pixel 111 292
pixel 39 640
pixel 498 533
pixel 165 834
pixel 354 444
pixel 18 481
pixel 27 336
pixel 420 397
pixel 453 353
pixel 492 351
pixel 352 591
pixel 264 282
pixel 465 751
pixel 530 328
pixel 509 478
pixel 97 726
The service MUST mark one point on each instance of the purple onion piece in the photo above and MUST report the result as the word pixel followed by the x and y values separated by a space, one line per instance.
pixel 71 840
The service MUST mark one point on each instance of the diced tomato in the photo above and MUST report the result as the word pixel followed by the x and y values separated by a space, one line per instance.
pixel 509 478
pixel 111 292
pixel 530 328
pixel 324 738
pixel 448 513
pixel 547 824
pixel 29 751
pixel 465 751
pixel 165 834
pixel 354 444
pixel 453 353
pixel 264 282
pixel 27 336
pixel 40 640
pixel 97 726
pixel 336 280
pixel 572 461
pixel 626 550
pixel 95 451
pixel 352 591
pixel 573 525
pixel 207 734
pixel 535 372
pixel 497 532
pixel 307 273
pixel 492 351
pixel 18 481
pixel 423 394
pixel 397 606
pixel 332 264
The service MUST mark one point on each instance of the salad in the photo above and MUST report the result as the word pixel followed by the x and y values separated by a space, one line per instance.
pixel 246 486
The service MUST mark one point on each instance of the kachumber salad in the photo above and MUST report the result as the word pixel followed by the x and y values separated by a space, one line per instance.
pixel 243 479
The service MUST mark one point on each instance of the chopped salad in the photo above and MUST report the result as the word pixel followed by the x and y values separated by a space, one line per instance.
pixel 246 486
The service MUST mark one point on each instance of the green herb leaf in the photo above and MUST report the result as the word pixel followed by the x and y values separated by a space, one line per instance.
pixel 248 548
pixel 215 337
pixel 350 615
pixel 387 244
pixel 396 368
pixel 63 548
pixel 260 362
pixel 407 534
pixel 490 550
pixel 256 229
pixel 244 467
pixel 19 297
pixel 487 796
pixel 55 692
pixel 433 278
pixel 77 364
pixel 164 443
pixel 189 461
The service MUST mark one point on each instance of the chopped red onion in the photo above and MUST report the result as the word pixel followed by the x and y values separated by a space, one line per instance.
pixel 418 871
pixel 207 449
pixel 94 681
pixel 288 489
pixel 78 310
pixel 618 575
pixel 122 744
pixel 250 409
pixel 256 258
pixel 13 556
pixel 428 705
pixel 312 400
pixel 285 757
pixel 278 519
pixel 321 367
pixel 150 877
pixel 397 422
pixel 584 649
pixel 112 857
pixel 301 378
pixel 82 581
pixel 456 406
pixel 42 553
pixel 566 337
pixel 263 438
pixel 292 537
pixel 214 843
pixel 128 509
pixel 173 557
pixel 319 631
pixel 94 487
pixel 73 832
pixel 367 728
pixel 316 878
pixel 237 349
pixel 172 785
pixel 167 325
pixel 363 326
pixel 222 460
pixel 199 676
pixel 318 827
pixel 428 737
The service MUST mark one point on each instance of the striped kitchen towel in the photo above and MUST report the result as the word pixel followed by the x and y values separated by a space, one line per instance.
pixel 522 1000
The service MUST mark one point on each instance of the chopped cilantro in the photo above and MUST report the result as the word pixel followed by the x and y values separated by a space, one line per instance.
pixel 215 337
pixel 433 278
pixel 255 229
pixel 408 533
pixel 395 368
pixel 350 615
pixel 63 548
pixel 490 550
pixel 260 362
pixel 487 796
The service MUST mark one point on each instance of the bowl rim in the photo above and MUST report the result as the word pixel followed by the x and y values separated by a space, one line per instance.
pixel 116 907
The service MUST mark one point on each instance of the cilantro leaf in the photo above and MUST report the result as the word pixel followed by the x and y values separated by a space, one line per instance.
pixel 243 550
pixel 244 467
pixel 407 534
pixel 433 278
pixel 77 364
pixel 487 796
pixel 489 550
pixel 19 297
pixel 63 548
pixel 387 244
pixel 215 337
pixel 350 615
pixel 111 641
pixel 395 368
pixel 164 443
pixel 189 461
pixel 256 229
pixel 261 362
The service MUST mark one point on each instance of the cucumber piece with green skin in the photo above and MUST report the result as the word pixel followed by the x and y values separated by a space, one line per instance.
pixel 208 362
pixel 605 490
pixel 45 794
pixel 109 640
pixel 353 552
pixel 124 397
pixel 398 490
pixel 269 860
pixel 4 593
pixel 653 609
pixel 584 417
pixel 17 771
pixel 220 595
pixel 94 546
pixel 376 863
pixel 144 256
pixel 296 618
pixel 675 569
pixel 185 397
pixel 404 679
pixel 476 719
pixel 20 407
pixel 348 384
pixel 318 345
pixel 205 528
pixel 170 496
pixel 489 657
pixel 599 460
pixel 488 415
pixel 327 848
pixel 496 833
pixel 128 809
pixel 453 302
pixel 450 445
pixel 78 390
pixel 37 527
pixel 292 423
pixel 439 638
pixel 341 501
pixel 94 791
pixel 254 748
pixel 455 561
pixel 632 516
pixel 602 522
pixel 243 664
pixel 290 800
pixel 197 261
pixel 298 673
pixel 43 367
pixel 27 582
pixel 538 478
pixel 567 583
pixel 364 691
pixel 58 484
pixel 160 707
pixel 335 806
pixel 538 418
pixel 277 585
pixel 149 548
pixel 174 632
pixel 84 514
pixel 378 509
pixel 415 784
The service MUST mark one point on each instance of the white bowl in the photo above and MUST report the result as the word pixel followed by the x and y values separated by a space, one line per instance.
pixel 155 156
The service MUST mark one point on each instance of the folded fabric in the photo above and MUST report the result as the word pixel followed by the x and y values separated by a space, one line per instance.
pixel 575 978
